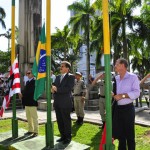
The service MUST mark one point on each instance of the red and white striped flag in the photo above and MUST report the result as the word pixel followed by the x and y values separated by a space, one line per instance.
pixel 14 71
pixel 14 87
pixel 103 139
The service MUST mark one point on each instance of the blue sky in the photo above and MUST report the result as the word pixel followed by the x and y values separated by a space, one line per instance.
pixel 59 13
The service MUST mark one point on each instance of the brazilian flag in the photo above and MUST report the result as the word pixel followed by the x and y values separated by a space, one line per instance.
pixel 39 66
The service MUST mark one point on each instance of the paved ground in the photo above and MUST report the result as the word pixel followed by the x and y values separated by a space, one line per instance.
pixel 24 142
pixel 142 116
pixel 38 143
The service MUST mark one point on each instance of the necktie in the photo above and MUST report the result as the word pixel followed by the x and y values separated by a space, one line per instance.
pixel 27 82
pixel 61 78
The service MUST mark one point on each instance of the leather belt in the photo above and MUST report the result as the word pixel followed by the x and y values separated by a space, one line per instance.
pixel 125 106
pixel 77 95
pixel 101 96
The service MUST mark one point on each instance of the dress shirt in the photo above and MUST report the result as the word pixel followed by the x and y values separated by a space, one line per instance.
pixel 62 76
pixel 130 85
pixel 29 80
pixel 53 77
pixel 25 79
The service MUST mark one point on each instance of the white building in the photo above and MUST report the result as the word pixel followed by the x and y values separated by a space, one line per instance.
pixel 81 64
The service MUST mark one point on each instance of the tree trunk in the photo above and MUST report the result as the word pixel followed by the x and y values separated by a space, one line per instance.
pixel 125 55
pixel 65 51
pixel 88 49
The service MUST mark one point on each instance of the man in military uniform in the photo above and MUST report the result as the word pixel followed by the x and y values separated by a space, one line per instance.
pixel 79 97
pixel 99 81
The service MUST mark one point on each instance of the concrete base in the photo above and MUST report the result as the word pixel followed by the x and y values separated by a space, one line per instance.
pixel 37 143
pixel 141 109
pixel 42 104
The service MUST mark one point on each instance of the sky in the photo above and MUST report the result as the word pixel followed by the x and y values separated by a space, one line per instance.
pixel 59 16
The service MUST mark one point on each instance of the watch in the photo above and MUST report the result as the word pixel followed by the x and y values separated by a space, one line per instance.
pixel 123 96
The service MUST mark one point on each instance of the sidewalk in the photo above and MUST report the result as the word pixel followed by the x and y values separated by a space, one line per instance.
pixel 142 116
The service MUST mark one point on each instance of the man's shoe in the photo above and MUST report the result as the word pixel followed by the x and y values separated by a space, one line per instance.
pixel 66 141
pixel 35 134
pixel 80 122
pixel 77 121
pixel 60 139
pixel 28 133
pixel 103 124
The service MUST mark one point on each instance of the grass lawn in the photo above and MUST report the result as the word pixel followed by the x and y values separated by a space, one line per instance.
pixel 88 134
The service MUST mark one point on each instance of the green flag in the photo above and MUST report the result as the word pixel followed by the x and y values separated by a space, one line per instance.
pixel 39 66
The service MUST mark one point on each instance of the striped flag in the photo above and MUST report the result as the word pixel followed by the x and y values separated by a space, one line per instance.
pixel 5 105
pixel 103 139
pixel 14 73
pixel 14 85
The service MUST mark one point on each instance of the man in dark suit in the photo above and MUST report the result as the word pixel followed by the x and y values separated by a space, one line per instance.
pixel 62 91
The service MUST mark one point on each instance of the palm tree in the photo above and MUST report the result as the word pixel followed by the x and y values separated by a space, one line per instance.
pixel 2 16
pixel 8 35
pixel 61 41
pixel 144 24
pixel 139 54
pixel 97 39
pixel 5 61
pixel 97 33
pixel 141 42
pixel 121 18
pixel 65 46
pixel 80 23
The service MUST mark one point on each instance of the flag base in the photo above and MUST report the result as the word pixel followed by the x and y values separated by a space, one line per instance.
pixel 49 135
pixel 14 128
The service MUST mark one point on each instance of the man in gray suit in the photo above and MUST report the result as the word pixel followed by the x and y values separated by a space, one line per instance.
pixel 62 89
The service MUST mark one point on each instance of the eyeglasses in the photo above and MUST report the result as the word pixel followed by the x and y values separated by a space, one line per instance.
pixel 29 73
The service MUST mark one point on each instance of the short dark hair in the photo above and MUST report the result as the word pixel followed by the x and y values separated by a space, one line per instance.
pixel 67 64
pixel 123 61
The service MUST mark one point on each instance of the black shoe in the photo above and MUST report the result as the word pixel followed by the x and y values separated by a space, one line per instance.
pixel 77 121
pixel 103 124
pixel 66 141
pixel 60 139
pixel 28 133
pixel 80 122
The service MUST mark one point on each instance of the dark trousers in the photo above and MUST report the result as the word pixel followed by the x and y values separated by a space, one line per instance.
pixel 64 122
pixel 124 118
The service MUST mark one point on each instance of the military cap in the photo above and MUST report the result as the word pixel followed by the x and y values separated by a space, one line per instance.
pixel 78 73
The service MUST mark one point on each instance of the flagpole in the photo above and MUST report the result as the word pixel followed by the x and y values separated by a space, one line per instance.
pixel 49 125
pixel 14 119
pixel 109 145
